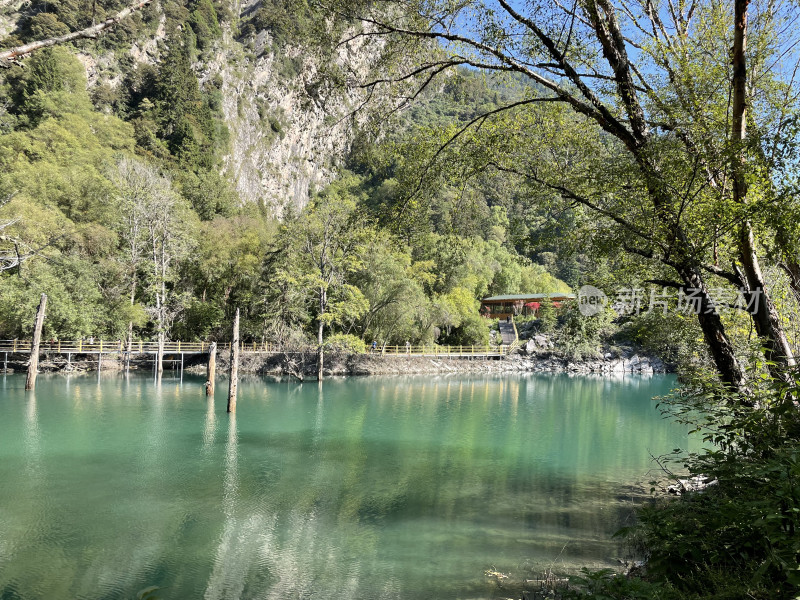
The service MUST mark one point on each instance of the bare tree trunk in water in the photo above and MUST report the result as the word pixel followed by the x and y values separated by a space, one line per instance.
pixel 129 346
pixel 211 369
pixel 160 352
pixel 33 364
pixel 160 356
pixel 129 340
pixel 233 383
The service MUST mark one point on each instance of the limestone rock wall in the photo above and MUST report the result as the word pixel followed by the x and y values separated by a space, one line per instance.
pixel 286 139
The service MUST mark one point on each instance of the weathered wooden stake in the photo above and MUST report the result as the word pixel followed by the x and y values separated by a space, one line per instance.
pixel 33 364
pixel 211 369
pixel 234 379
pixel 129 347
pixel 160 354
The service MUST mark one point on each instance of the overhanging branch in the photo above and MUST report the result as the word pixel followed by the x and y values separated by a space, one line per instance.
pixel 9 57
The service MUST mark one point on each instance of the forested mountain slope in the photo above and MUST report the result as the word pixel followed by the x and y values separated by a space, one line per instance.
pixel 177 167
pixel 268 118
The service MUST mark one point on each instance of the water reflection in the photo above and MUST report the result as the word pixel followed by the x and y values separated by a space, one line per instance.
pixel 230 565
pixel 231 468
pixel 210 430
pixel 359 488
pixel 33 435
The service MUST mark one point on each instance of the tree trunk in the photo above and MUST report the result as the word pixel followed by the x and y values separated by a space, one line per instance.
pixel 129 346
pixel 211 369
pixel 787 258
pixel 728 366
pixel 129 341
pixel 792 269
pixel 234 373
pixel 9 56
pixel 160 354
pixel 320 352
pixel 765 316
pixel 320 329
pixel 33 364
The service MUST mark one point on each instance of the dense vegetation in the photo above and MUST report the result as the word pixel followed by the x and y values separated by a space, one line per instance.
pixel 138 233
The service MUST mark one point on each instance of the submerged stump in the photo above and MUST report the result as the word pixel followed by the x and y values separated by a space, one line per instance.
pixel 33 364
pixel 234 374
pixel 211 369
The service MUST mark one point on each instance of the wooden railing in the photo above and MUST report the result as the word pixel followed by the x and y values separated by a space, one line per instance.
pixel 440 351
pixel 177 347
pixel 140 347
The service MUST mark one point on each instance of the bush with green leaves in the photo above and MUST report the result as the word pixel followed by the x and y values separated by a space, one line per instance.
pixel 345 343
pixel 581 335
pixel 546 317
pixel 672 336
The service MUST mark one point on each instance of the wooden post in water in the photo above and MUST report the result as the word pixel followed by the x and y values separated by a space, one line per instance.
pixel 160 356
pixel 33 364
pixel 234 378
pixel 211 369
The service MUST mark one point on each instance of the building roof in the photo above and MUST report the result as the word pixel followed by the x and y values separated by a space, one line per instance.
pixel 528 297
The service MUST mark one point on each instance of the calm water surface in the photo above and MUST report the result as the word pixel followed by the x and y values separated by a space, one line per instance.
pixel 364 488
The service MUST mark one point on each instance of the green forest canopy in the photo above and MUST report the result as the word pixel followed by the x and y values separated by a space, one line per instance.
pixel 83 172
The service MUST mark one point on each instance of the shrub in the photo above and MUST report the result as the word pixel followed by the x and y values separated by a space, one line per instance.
pixel 345 343
pixel 580 334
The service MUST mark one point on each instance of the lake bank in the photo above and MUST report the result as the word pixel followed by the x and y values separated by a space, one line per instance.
pixel 303 364
pixel 377 364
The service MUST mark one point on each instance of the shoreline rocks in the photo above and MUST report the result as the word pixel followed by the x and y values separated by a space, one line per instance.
pixel 367 364
pixel 535 356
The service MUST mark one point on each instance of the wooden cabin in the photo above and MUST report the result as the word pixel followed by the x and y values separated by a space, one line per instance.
pixel 500 307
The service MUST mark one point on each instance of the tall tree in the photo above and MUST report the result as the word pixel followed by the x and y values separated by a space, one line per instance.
pixel 137 184
pixel 154 226
pixel 765 316
pixel 392 288
pixel 167 243
pixel 648 81
pixel 324 245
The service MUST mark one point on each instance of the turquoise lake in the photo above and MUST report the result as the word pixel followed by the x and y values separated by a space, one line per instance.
pixel 362 488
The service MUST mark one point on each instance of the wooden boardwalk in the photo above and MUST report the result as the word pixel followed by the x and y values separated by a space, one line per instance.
pixel 101 347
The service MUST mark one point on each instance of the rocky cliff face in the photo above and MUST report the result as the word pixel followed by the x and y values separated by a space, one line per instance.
pixel 289 129
pixel 283 142
pixel 286 133
pixel 8 16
